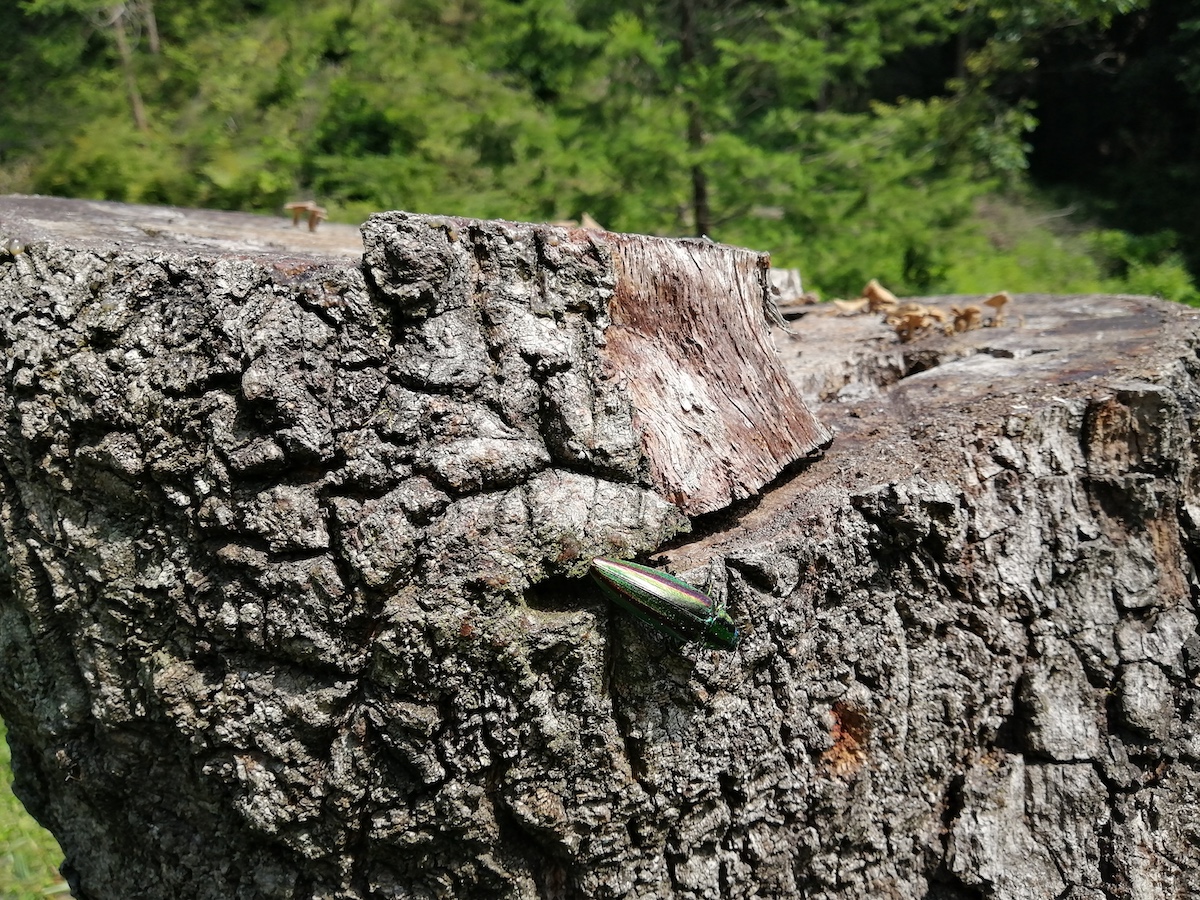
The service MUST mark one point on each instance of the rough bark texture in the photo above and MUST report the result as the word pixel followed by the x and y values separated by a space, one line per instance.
pixel 683 390
pixel 289 605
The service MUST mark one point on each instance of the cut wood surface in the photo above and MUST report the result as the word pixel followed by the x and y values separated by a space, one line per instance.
pixel 291 594
pixel 718 415
pixel 103 225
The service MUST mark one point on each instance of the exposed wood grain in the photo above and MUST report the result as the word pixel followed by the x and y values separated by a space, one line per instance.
pixel 718 416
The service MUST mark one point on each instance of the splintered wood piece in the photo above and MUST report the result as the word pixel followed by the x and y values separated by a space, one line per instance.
pixel 717 415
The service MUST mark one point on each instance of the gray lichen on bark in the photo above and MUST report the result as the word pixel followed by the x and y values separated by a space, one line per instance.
pixel 288 602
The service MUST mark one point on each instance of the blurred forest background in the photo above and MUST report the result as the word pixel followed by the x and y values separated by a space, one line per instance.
pixel 938 145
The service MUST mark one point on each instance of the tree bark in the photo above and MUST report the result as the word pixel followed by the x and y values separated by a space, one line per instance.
pixel 146 13
pixel 117 17
pixel 291 600
pixel 688 57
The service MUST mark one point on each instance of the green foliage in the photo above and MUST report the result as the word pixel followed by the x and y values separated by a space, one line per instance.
pixel 29 856
pixel 805 127
pixel 876 196
pixel 1147 264
pixel 1018 242
pixel 82 7
pixel 1011 17
pixel 113 160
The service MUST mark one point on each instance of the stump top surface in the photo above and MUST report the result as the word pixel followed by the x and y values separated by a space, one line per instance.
pixel 900 410
pixel 101 224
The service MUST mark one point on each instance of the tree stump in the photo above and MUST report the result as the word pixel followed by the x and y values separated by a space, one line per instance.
pixel 291 594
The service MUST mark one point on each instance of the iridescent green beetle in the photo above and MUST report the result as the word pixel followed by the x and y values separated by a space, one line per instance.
pixel 666 603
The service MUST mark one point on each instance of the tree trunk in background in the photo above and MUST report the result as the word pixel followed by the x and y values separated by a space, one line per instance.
pixel 146 13
pixel 117 22
pixel 290 594
pixel 688 56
